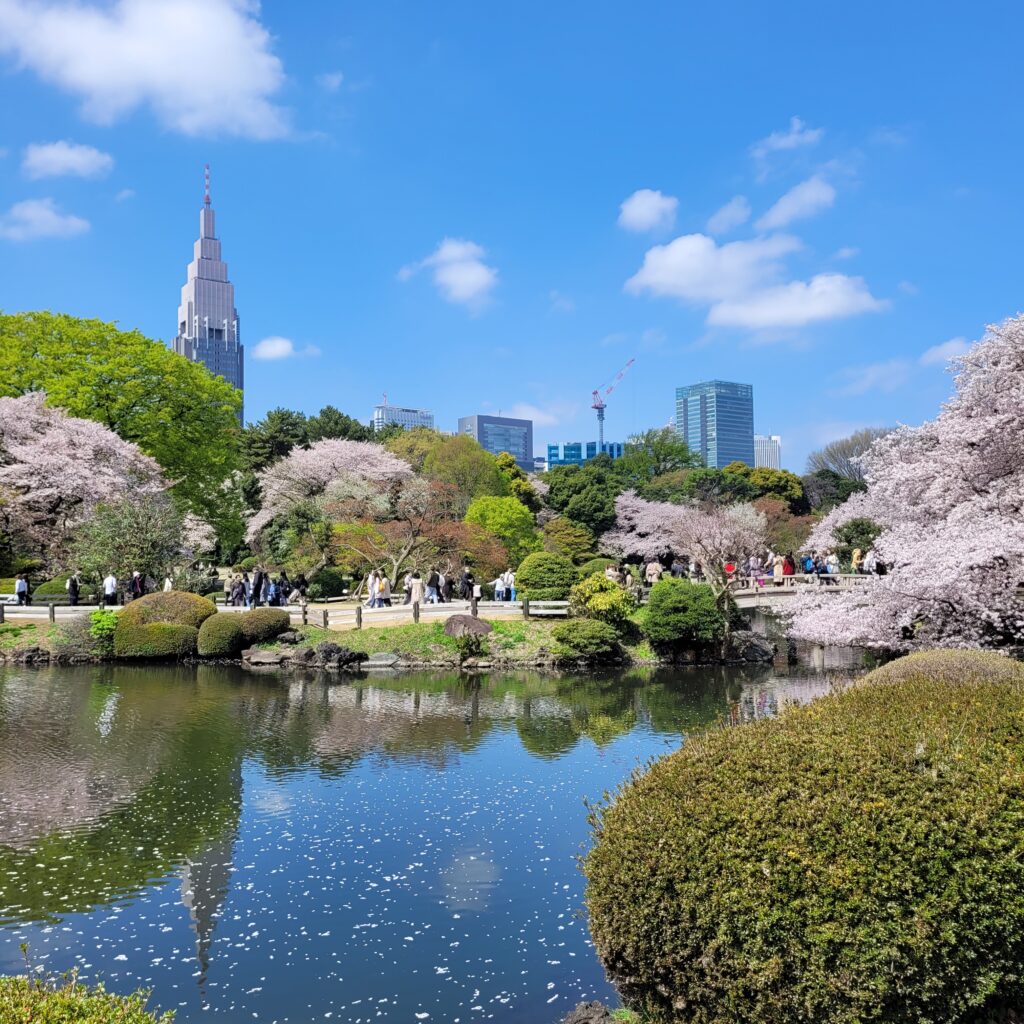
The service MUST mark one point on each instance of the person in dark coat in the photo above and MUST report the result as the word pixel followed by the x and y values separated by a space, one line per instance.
pixel 257 588
pixel 74 587
pixel 466 584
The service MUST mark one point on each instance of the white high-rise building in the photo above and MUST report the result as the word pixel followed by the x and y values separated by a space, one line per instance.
pixel 207 318
pixel 767 451
pixel 387 415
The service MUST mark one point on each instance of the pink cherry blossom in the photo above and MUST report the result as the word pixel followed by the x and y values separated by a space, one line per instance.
pixel 950 498
pixel 55 469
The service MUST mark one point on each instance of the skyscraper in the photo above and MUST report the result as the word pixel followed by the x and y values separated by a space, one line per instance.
pixel 716 419
pixel 207 318
pixel 498 434
pixel 387 415
pixel 768 451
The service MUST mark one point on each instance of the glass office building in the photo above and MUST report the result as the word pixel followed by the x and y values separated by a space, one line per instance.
pixel 575 453
pixel 498 434
pixel 397 415
pixel 716 419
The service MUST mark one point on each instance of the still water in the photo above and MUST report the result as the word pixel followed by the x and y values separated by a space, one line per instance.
pixel 388 849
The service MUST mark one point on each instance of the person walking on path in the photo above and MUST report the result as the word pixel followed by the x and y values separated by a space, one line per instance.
pixel 384 591
pixel 466 584
pixel 73 587
pixel 21 589
pixel 510 585
pixel 433 580
pixel 499 587
pixel 653 573
pixel 448 589
pixel 416 589
pixel 137 585
pixel 257 587
pixel 407 588
pixel 110 589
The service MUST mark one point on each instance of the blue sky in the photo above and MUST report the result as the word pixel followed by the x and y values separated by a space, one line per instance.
pixel 478 209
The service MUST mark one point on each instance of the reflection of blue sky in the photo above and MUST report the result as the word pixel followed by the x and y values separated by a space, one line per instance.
pixel 469 881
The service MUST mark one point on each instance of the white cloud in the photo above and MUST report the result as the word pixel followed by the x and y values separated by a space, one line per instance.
pixel 802 201
pixel 202 66
pixel 39 218
pixel 886 377
pixel 561 303
pixel 824 297
pixel 696 269
pixel 647 210
pixel 731 215
pixel 550 415
pixel 459 272
pixel 275 347
pixel 330 81
pixel 940 355
pixel 797 136
pixel 58 159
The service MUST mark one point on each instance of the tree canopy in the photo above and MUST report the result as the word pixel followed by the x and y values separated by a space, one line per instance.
pixel 173 409
pixel 843 456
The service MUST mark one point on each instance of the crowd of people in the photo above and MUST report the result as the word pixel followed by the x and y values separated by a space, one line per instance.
pixel 262 588
pixel 435 587
pixel 821 564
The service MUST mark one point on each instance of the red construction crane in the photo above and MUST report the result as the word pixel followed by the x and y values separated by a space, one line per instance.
pixel 599 404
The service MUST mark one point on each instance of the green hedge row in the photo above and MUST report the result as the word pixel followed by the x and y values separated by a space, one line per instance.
pixel 174 606
pixel 154 640
pixel 858 859
pixel 220 636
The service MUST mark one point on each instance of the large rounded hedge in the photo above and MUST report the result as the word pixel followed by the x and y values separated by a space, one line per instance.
pixel 220 636
pixel 154 640
pixel 31 1001
pixel 586 639
pixel 175 606
pixel 543 576
pixel 683 614
pixel 597 597
pixel 262 625
pixel 858 859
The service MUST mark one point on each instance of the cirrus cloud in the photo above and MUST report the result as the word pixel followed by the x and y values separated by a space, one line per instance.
pixel 731 215
pixel 802 201
pixel 797 136
pixel 940 355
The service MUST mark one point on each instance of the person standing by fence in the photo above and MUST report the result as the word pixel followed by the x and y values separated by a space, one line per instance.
pixel 73 587
pixel 110 589
pixel 21 588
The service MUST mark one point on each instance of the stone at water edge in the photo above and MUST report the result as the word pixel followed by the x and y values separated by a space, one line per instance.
pixel 590 1013
pixel 466 625
pixel 265 658
pixel 382 661
pixel 289 637
pixel 745 645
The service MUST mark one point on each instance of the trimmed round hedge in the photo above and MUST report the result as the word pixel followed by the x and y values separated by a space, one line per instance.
pixel 682 614
pixel 543 576
pixel 154 640
pixel 597 597
pixel 262 625
pixel 595 565
pixel 220 636
pixel 30 1001
pixel 174 606
pixel 586 639
pixel 858 859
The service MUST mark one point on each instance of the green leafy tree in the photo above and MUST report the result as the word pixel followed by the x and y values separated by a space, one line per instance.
pixel 825 489
pixel 586 494
pixel 415 446
pixel 545 577
pixel 652 454
pixel 330 422
pixel 173 409
pixel 773 483
pixel 463 464
pixel 784 531
pixel 856 533
pixel 273 437
pixel 564 537
pixel 141 534
pixel 716 487
pixel 509 520
pixel 518 482
pixel 681 614
pixel 598 597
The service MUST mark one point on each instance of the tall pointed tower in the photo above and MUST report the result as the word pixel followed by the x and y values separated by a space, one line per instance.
pixel 207 319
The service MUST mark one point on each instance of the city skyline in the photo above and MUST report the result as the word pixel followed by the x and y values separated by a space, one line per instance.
pixel 394 209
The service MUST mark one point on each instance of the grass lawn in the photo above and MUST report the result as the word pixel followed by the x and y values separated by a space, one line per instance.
pixel 24 634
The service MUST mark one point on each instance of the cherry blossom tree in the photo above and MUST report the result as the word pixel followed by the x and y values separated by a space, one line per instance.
pixel 306 473
pixel 712 536
pixel 55 469
pixel 949 496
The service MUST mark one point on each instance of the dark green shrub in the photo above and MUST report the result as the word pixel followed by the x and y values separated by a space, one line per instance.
pixel 586 639
pixel 154 640
pixel 854 860
pixel 595 565
pixel 102 624
pixel 598 597
pixel 248 564
pixel 683 614
pixel 24 1000
pixel 174 606
pixel 545 577
pixel 220 636
pixel 327 583
pixel 261 625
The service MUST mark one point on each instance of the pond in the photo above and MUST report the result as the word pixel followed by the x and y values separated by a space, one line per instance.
pixel 386 849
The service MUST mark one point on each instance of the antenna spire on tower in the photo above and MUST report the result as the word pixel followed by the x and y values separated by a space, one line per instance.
pixel 206 184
